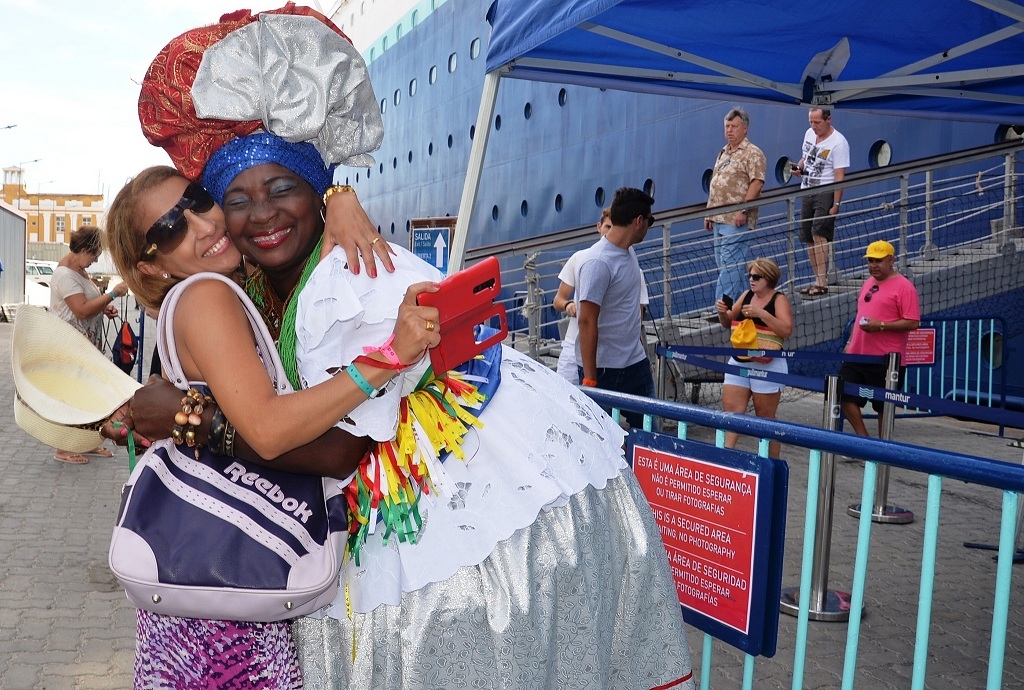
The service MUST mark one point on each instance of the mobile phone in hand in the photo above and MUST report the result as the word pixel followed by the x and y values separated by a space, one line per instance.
pixel 728 301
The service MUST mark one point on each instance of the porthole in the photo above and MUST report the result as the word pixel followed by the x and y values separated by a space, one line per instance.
pixel 527 111
pixel 394 163
pixel 373 54
pixel 991 348
pixel 783 171
pixel 383 105
pixel 398 32
pixel 432 74
pixel 472 132
pixel 453 61
pixel 474 49
pixel 705 180
pixel 412 88
pixel 381 168
pixel 649 187
pixel 392 228
pixel 410 156
pixel 880 154
pixel 430 149
pixel 383 44
pixel 450 141
pixel 494 212
pixel 599 197
pixel 497 122
pixel 408 226
pixel 562 97
pixel 558 203
pixel 415 17
pixel 357 178
pixel 368 173
pixel 349 183
pixel 398 96
pixel 524 208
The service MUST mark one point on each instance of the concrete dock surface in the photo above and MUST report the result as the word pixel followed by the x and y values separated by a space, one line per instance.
pixel 66 624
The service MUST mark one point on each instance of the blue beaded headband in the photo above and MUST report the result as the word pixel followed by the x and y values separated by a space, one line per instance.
pixel 243 153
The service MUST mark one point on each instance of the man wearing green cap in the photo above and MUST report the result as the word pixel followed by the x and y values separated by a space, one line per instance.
pixel 887 309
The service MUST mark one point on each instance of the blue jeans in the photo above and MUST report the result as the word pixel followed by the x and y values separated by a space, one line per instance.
pixel 732 254
pixel 636 379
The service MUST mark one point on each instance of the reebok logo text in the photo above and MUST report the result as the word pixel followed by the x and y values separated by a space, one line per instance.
pixel 273 492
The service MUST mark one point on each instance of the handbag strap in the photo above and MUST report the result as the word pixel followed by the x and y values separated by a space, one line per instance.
pixel 168 349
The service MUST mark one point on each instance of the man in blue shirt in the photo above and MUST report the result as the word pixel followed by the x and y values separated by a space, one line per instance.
pixel 608 291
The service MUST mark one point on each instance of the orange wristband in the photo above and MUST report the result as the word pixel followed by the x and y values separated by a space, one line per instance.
pixel 590 383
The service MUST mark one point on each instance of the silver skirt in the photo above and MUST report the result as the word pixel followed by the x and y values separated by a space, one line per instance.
pixel 582 598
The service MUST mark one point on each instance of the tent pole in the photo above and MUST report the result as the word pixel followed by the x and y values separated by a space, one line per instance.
pixel 474 170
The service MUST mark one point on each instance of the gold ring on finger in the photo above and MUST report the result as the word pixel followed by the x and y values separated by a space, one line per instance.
pixel 375 241
pixel 430 325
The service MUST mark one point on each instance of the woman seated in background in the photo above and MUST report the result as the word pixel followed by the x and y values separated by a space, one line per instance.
pixel 773 317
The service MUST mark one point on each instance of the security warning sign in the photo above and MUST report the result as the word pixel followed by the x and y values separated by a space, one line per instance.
pixel 706 513
pixel 715 509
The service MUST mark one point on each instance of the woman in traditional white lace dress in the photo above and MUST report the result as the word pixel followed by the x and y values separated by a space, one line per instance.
pixel 530 557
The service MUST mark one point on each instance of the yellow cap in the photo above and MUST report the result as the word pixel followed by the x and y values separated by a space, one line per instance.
pixel 879 250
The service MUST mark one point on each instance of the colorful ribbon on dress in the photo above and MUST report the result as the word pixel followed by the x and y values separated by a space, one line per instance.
pixel 433 422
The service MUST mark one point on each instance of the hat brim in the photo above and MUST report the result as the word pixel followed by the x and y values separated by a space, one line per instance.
pixel 59 375
pixel 55 435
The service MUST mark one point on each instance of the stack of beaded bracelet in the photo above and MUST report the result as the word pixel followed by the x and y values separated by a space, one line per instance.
pixel 186 421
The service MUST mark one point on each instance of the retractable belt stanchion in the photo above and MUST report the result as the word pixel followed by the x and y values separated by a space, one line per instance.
pixel 825 604
pixel 882 512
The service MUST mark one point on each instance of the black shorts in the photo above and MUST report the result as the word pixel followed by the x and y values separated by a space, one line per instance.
pixel 869 375
pixel 816 221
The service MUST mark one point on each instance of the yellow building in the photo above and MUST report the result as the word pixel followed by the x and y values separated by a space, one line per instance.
pixel 51 216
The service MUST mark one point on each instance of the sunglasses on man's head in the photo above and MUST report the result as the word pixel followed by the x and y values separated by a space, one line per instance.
pixel 873 290
pixel 167 232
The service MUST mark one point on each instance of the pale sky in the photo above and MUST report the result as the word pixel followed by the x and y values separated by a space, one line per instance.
pixel 69 79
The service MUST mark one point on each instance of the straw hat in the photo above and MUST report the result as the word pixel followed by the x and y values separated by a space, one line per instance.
pixel 65 387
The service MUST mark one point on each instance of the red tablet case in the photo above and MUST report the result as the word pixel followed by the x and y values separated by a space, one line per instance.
pixel 465 300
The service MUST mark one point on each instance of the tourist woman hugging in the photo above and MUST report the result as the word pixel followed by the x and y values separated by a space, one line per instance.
pixel 161 230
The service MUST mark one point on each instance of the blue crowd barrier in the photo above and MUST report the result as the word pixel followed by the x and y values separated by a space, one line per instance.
pixel 938 406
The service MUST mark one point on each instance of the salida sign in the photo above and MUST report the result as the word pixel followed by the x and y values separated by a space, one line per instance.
pixel 723 534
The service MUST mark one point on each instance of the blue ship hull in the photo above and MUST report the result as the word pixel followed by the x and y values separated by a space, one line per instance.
pixel 557 153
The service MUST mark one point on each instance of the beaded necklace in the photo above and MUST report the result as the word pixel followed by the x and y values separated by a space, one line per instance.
pixel 282 326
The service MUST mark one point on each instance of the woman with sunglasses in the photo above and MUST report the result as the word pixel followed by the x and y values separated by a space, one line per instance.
pixel 163 229
pixel 773 317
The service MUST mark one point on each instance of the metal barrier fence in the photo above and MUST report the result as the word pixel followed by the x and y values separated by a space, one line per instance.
pixel 953 208
pixel 938 466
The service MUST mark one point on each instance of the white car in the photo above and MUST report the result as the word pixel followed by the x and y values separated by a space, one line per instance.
pixel 39 271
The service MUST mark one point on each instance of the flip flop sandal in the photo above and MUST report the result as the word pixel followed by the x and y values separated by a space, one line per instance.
pixel 73 459
pixel 806 290
pixel 817 290
pixel 100 452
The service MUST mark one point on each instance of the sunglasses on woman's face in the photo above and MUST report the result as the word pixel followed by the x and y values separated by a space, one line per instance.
pixel 169 229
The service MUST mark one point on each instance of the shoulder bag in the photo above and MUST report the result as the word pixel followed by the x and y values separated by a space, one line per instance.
pixel 218 538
